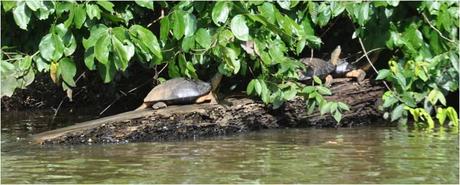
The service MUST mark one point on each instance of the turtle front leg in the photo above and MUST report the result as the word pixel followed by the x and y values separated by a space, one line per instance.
pixel 159 105
pixel 359 74
pixel 210 96
pixel 329 81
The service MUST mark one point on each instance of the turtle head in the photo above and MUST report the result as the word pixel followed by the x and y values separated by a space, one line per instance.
pixel 335 55
pixel 215 81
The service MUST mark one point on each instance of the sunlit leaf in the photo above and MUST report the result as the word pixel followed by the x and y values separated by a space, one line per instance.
pixel 102 49
pixel 21 15
pixel 80 16
pixel 178 24
pixel 145 3
pixel 239 28
pixel 221 11
pixel 203 37
pixel 68 71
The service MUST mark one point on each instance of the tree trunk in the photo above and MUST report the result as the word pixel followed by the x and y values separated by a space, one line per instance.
pixel 232 115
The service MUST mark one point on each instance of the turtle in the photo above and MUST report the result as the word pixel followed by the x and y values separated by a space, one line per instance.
pixel 181 91
pixel 335 66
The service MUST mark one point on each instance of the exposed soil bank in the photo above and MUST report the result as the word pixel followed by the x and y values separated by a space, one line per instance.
pixel 232 115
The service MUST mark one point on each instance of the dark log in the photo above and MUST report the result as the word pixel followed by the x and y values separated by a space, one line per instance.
pixel 232 115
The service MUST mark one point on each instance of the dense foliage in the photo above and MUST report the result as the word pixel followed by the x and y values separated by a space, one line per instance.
pixel 259 40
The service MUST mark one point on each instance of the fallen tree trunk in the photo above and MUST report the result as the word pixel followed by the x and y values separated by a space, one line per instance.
pixel 232 115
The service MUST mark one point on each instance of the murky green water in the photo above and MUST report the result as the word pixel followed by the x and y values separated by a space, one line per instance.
pixel 346 155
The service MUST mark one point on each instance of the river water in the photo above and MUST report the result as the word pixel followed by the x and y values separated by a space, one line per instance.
pixel 345 155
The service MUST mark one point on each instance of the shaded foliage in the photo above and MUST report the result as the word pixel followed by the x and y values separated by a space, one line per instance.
pixel 258 40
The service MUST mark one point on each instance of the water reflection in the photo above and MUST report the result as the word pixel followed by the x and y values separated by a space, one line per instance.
pixel 348 155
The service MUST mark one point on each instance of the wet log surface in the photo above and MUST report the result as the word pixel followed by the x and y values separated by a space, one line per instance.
pixel 232 115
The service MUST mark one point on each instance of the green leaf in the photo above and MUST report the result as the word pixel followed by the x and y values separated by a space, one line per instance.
pixel 145 3
pixel 323 90
pixel 251 86
pixel 290 94
pixel 393 3
pixel 343 106
pixel 25 63
pixel 188 43
pixel 408 99
pixel 70 20
pixel 8 5
pixel 308 89
pixel 51 47
pixel 102 50
pixel 68 70
pixel 67 38
pixel 225 37
pixel 40 63
pixel 325 108
pixel 337 8
pixel 452 115
pixel 107 71
pixel 324 14
pixel 21 15
pixel 164 29
pixel 441 114
pixel 337 116
pixel 89 59
pixel 334 106
pixel 178 24
pixel 191 71
pixel 220 12
pixel 34 5
pixel 389 101
pixel 203 37
pixel 93 11
pixel 190 24
pixel 435 95
pixel 239 28
pixel 285 4
pixel 231 58
pixel 300 46
pixel 173 70
pixel 267 10
pixel 123 53
pixel 80 16
pixel 383 74
pixel 8 79
pixel 148 39
pixel 106 5
pixel 413 37
pixel 95 33
pixel 258 87
pixel 397 112
pixel 26 80
pixel 401 80
pixel 317 80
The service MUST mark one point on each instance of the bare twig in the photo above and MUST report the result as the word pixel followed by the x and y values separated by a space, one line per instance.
pixel 110 105
pixel 328 28
pixel 156 20
pixel 431 25
pixel 370 62
pixel 311 58
pixel 364 55
pixel 57 109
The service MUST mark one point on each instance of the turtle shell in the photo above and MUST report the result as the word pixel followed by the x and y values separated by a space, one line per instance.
pixel 178 90
pixel 316 67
